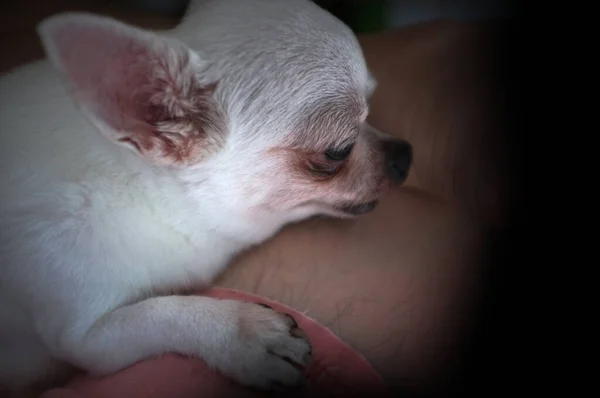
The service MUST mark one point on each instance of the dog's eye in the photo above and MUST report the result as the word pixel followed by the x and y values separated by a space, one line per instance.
pixel 332 161
pixel 324 169
pixel 339 155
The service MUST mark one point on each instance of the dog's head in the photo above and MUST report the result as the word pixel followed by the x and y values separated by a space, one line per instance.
pixel 260 111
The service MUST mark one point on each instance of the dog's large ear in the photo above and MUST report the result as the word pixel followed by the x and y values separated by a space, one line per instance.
pixel 140 89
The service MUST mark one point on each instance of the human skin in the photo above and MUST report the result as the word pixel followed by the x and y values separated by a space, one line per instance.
pixel 398 283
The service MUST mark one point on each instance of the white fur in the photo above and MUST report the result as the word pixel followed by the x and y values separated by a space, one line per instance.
pixel 92 236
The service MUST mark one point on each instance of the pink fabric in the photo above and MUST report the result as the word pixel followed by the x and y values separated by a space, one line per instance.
pixel 336 370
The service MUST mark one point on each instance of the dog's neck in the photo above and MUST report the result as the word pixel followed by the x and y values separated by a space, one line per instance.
pixel 199 215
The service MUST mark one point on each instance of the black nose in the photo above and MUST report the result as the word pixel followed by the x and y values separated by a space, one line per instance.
pixel 358 209
pixel 398 159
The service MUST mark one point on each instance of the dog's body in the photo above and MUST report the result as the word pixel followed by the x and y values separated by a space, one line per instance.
pixel 221 126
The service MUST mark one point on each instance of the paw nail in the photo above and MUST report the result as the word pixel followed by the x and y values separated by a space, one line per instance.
pixel 297 332
pixel 307 358
pixel 294 323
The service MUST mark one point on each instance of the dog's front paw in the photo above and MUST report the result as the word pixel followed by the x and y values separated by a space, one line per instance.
pixel 267 351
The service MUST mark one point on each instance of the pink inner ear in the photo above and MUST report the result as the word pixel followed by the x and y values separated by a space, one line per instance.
pixel 141 87
pixel 110 71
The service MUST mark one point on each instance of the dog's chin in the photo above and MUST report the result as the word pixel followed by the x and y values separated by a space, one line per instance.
pixel 346 211
pixel 314 209
pixel 356 209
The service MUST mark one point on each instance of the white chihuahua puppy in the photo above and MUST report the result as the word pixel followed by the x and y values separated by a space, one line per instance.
pixel 135 163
